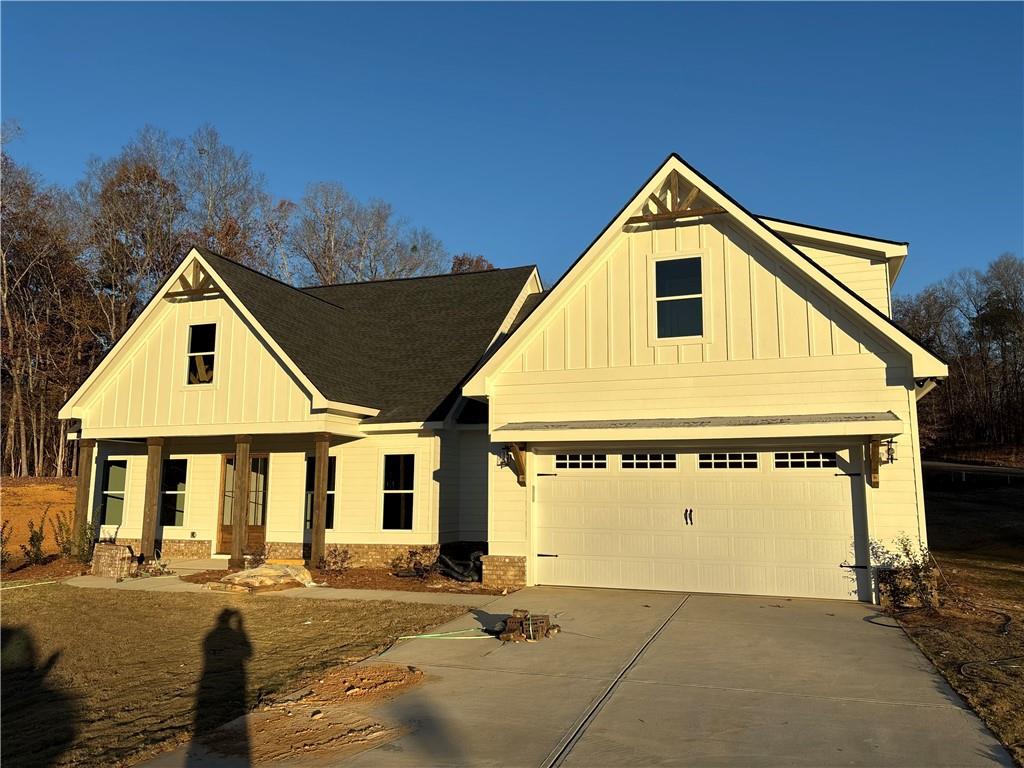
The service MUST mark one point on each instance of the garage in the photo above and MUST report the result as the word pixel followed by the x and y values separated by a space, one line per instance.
pixel 740 521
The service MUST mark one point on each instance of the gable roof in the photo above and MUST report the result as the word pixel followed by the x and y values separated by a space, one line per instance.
pixel 424 335
pixel 925 363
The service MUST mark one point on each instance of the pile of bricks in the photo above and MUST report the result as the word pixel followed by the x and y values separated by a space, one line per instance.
pixel 521 626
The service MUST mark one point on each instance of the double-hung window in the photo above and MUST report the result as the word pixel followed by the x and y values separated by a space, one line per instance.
pixel 678 297
pixel 112 504
pixel 398 491
pixel 311 487
pixel 172 492
pixel 201 342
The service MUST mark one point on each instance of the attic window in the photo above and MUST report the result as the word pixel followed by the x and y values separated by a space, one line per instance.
pixel 677 295
pixel 201 342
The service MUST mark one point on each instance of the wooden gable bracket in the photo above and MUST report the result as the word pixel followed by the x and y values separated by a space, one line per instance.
pixel 199 284
pixel 681 208
pixel 874 461
pixel 518 462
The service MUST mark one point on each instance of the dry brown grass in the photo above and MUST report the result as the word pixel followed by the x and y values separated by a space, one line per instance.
pixel 976 637
pixel 126 665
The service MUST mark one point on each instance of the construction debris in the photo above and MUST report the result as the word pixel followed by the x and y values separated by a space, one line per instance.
pixel 521 626
pixel 265 578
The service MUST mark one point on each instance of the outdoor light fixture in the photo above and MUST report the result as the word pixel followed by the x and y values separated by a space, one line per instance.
pixel 890 450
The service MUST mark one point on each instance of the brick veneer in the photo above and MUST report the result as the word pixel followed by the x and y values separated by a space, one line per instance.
pixel 112 560
pixel 504 571
pixel 360 555
pixel 185 549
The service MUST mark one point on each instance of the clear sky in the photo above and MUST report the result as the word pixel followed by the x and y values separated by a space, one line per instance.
pixel 516 131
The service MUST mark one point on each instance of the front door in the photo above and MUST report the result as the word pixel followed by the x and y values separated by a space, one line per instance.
pixel 257 513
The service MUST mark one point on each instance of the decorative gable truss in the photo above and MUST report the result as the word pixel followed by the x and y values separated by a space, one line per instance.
pixel 194 282
pixel 676 200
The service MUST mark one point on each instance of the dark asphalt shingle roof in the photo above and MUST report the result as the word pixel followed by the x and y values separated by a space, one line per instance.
pixel 402 346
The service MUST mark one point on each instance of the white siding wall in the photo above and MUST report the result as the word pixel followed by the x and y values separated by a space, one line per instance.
pixel 773 344
pixel 868 277
pixel 146 385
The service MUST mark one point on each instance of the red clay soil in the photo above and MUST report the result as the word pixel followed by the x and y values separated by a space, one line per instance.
pixel 373 578
pixel 55 568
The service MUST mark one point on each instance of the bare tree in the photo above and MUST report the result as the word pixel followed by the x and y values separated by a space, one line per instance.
pixel 470 262
pixel 343 240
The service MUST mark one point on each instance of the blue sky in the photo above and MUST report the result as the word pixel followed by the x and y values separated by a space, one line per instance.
pixel 517 131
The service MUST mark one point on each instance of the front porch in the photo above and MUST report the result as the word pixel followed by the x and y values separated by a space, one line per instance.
pixel 175 497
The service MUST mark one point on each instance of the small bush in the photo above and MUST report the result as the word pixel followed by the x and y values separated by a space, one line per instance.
pixel 84 543
pixel 33 551
pixel 5 542
pixel 336 560
pixel 413 561
pixel 63 535
pixel 905 575
pixel 256 559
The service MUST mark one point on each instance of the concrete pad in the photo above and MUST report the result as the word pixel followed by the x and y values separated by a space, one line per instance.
pixel 653 724
pixel 148 584
pixel 811 647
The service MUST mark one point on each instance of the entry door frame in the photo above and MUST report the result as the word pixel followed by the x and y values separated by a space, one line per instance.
pixel 220 502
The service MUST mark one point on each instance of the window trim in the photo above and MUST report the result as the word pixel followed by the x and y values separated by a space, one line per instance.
pixel 104 493
pixel 183 494
pixel 822 458
pixel 652 298
pixel 595 461
pixel 742 460
pixel 189 355
pixel 411 491
pixel 664 462
pixel 331 489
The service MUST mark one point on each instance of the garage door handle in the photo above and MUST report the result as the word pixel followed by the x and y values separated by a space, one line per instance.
pixel 688 517
pixel 545 554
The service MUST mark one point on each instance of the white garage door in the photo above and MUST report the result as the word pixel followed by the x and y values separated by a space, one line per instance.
pixel 762 523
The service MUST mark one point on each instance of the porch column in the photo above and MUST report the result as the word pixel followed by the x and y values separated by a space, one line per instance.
pixel 86 451
pixel 151 503
pixel 317 550
pixel 240 501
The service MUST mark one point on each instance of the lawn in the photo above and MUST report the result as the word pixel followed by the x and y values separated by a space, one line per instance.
pixel 103 677
pixel 976 637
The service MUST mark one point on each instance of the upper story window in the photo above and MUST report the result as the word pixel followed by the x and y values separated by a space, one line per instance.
pixel 678 297
pixel 201 342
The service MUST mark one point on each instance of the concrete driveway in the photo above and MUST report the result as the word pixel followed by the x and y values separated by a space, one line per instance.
pixel 643 678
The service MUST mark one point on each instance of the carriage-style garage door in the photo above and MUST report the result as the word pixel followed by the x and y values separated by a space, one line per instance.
pixel 762 523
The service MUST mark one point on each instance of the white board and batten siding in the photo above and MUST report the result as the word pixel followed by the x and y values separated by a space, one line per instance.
pixel 773 344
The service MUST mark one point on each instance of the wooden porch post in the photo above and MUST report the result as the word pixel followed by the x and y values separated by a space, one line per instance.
pixel 82 493
pixel 151 503
pixel 240 501
pixel 317 550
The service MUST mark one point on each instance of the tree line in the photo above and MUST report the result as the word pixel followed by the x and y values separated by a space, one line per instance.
pixel 974 320
pixel 80 262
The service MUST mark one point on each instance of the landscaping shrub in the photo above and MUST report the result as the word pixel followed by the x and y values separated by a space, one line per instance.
pixel 33 551
pixel 5 541
pixel 336 560
pixel 84 543
pixel 905 575
pixel 63 536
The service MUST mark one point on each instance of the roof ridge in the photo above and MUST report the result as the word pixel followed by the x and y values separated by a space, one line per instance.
pixel 416 277
pixel 206 253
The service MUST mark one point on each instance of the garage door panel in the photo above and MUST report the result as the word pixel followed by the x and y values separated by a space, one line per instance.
pixel 756 531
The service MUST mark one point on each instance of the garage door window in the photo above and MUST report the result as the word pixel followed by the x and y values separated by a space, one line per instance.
pixel 805 459
pixel 648 461
pixel 727 461
pixel 581 461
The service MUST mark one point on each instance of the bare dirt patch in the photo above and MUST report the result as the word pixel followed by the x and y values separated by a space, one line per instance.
pixel 29 498
pixel 54 568
pixel 373 578
pixel 105 677
pixel 976 636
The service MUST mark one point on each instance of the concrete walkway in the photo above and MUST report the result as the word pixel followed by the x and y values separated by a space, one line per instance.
pixel 642 678
pixel 174 584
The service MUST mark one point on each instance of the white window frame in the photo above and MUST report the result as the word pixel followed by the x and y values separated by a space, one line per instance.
pixel 183 494
pixel 652 298
pixel 663 462
pixel 123 493
pixel 742 459
pixel 189 355
pixel 584 461
pixel 820 457
pixel 416 459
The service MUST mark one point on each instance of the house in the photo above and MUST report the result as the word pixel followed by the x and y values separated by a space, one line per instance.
pixel 707 400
